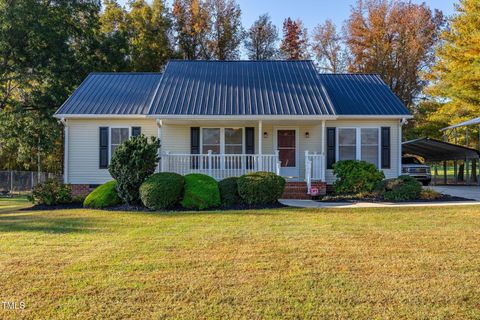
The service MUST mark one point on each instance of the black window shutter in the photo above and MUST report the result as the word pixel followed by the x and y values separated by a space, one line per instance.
pixel 194 145
pixel 331 142
pixel 103 148
pixel 250 140
pixel 136 131
pixel 385 147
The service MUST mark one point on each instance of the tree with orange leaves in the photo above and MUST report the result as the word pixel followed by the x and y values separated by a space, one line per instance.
pixel 294 44
pixel 395 39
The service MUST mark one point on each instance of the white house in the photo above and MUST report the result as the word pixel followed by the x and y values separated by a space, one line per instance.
pixel 227 118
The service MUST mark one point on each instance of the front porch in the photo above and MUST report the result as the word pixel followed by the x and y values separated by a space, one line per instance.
pixel 222 149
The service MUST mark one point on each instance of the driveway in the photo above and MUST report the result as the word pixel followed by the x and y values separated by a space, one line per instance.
pixel 468 192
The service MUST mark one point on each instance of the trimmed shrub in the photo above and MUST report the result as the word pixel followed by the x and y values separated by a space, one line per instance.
pixel 161 190
pixel 52 192
pixel 430 194
pixel 403 188
pixel 103 196
pixel 229 192
pixel 133 162
pixel 260 187
pixel 201 192
pixel 355 177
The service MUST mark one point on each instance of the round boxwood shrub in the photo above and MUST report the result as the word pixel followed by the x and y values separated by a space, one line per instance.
pixel 103 196
pixel 161 190
pixel 260 187
pixel 403 188
pixel 354 177
pixel 200 192
pixel 229 192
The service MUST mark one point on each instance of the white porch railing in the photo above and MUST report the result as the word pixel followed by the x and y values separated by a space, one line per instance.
pixel 314 168
pixel 219 166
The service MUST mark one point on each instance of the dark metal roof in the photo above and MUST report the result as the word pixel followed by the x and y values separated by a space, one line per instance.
pixel 113 93
pixel 436 150
pixel 241 88
pixel 362 94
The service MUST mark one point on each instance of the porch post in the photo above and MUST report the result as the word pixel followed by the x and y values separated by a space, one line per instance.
pixel 323 167
pixel 260 147
pixel 159 136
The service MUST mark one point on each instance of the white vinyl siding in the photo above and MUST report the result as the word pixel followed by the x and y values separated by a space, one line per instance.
pixel 84 140
pixel 395 142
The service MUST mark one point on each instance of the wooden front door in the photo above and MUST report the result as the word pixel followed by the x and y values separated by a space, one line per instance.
pixel 287 150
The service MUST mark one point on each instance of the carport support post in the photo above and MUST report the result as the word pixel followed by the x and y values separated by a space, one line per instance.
pixel 435 174
pixel 467 170
pixel 445 172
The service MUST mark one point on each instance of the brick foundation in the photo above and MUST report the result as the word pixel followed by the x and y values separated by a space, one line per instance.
pixel 81 189
pixel 298 190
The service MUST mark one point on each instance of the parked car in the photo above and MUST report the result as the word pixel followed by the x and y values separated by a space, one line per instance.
pixel 414 167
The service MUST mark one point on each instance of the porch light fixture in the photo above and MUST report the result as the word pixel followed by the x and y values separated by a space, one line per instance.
pixel 307 134
pixel 265 135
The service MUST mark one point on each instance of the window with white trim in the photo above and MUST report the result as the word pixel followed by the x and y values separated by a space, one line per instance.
pixel 359 144
pixel 347 144
pixel 370 145
pixel 117 137
pixel 222 140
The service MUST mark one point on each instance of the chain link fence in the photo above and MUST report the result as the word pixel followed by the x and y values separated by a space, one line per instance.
pixel 23 181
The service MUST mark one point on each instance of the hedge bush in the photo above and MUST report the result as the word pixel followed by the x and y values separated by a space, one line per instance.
pixel 162 190
pixel 103 196
pixel 132 162
pixel 260 187
pixel 353 177
pixel 200 192
pixel 403 188
pixel 52 192
pixel 229 192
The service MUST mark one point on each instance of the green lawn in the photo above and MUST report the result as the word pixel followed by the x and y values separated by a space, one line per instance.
pixel 285 263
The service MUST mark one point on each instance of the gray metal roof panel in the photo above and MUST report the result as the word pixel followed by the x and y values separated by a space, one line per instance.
pixel 113 93
pixel 361 94
pixel 240 88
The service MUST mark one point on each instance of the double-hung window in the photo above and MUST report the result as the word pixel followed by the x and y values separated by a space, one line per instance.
pixel 227 141
pixel 117 137
pixel 359 144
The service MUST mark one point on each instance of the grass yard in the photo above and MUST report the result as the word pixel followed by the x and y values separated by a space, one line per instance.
pixel 285 263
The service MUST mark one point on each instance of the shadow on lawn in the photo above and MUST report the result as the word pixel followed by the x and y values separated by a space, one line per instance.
pixel 41 223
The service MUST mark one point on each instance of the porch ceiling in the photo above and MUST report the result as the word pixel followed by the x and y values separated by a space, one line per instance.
pixel 242 123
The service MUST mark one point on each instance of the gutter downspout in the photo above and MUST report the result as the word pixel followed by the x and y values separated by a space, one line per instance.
pixel 403 122
pixel 65 150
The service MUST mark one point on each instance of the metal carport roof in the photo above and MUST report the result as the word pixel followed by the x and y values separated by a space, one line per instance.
pixel 436 150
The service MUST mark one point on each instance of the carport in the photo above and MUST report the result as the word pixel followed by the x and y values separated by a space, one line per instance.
pixel 436 152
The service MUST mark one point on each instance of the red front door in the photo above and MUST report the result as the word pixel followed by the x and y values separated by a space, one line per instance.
pixel 287 150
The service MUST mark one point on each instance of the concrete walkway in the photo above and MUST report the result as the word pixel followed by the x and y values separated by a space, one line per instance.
pixel 468 192
pixel 316 204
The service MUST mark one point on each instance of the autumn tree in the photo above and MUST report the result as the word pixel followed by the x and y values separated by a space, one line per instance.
pixel 328 47
pixel 455 76
pixel 226 34
pixel 294 44
pixel 191 19
pixel 261 40
pixel 148 31
pixel 394 39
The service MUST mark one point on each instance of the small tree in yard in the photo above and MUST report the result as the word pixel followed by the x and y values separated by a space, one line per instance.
pixel 133 162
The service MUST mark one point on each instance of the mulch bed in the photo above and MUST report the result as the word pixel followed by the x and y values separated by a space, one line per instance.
pixel 44 207
pixel 130 208
pixel 443 198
